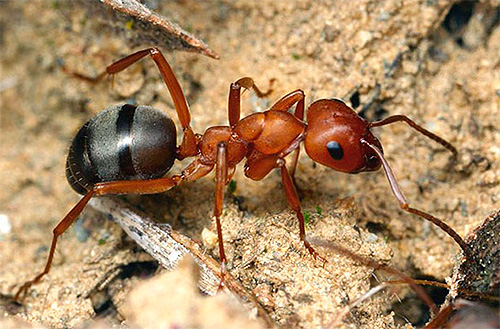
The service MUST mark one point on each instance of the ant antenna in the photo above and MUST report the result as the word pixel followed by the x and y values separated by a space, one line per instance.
pixel 396 118
pixel 403 202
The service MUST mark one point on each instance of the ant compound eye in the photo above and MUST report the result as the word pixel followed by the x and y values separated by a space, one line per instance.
pixel 335 150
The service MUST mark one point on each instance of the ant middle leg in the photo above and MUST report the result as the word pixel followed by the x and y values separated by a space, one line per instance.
pixel 221 172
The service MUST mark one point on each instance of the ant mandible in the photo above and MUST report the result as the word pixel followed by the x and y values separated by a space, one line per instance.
pixel 128 149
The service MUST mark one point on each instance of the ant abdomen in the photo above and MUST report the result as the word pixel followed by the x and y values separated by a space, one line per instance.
pixel 124 142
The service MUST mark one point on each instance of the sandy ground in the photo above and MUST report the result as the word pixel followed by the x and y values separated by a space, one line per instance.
pixel 448 82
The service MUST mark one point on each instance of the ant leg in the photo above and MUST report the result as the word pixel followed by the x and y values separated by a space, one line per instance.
pixel 58 230
pixel 295 160
pixel 284 104
pixel 234 101
pixel 287 101
pixel 293 200
pixel 81 76
pixel 189 145
pixel 423 131
pixel 147 187
pixel 150 186
pixel 194 171
pixel 403 203
pixel 442 318
pixel 220 182
pixel 258 165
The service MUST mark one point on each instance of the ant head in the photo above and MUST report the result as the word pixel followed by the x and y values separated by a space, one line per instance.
pixel 334 135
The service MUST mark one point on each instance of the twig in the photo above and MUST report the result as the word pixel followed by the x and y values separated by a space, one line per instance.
pixel 340 315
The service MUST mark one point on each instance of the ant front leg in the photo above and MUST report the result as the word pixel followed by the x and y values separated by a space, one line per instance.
pixel 286 102
pixel 220 181
pixel 293 200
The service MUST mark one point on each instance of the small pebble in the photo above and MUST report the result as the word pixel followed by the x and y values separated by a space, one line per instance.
pixel 371 237
pixel 5 225
pixel 209 238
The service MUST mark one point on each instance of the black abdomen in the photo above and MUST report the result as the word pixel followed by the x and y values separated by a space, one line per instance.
pixel 121 143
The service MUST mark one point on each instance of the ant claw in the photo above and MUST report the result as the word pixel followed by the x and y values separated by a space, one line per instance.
pixel 222 277
pixel 221 286
pixel 314 253
pixel 21 293
pixel 316 256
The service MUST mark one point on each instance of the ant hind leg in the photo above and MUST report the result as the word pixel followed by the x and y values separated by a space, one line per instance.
pixel 58 231
pixel 234 101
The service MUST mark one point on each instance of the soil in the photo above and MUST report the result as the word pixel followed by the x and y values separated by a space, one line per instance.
pixel 434 61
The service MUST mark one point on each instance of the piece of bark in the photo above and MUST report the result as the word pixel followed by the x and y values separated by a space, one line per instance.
pixel 482 273
pixel 157 30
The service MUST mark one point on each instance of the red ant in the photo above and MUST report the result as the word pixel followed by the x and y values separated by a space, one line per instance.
pixel 128 149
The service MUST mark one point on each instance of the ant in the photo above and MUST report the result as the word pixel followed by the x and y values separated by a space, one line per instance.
pixel 128 149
